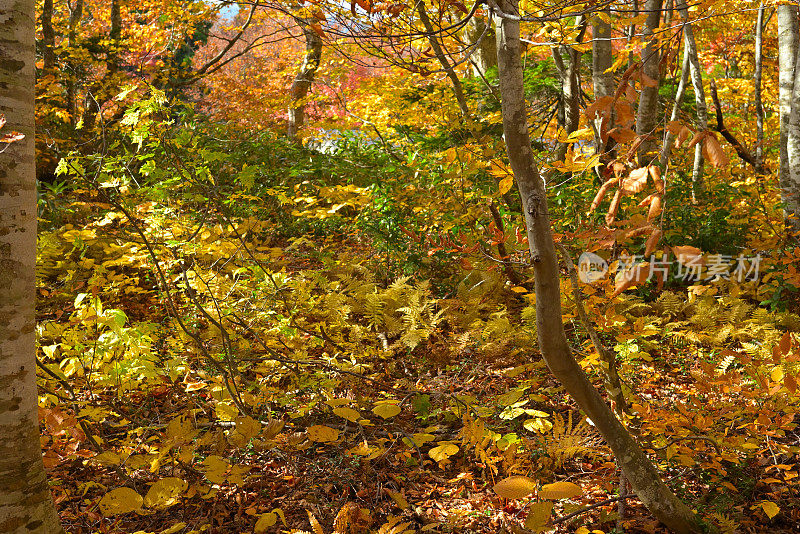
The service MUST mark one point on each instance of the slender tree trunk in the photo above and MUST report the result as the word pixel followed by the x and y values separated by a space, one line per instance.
pixel 602 57
pixel 699 97
pixel 641 473
pixel 569 73
pixel 115 36
pixel 570 106
pixel 26 505
pixel 631 31
pixel 75 16
pixel 305 77
pixel 431 33
pixel 48 38
pixel 485 56
pixel 602 78
pixel 787 58
pixel 647 114
pixel 758 60
pixel 666 148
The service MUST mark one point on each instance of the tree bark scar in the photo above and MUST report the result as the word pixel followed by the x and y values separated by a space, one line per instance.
pixel 534 204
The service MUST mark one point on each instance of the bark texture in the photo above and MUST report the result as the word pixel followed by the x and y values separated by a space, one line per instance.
pixel 25 502
pixel 647 114
pixel 570 92
pixel 666 148
pixel 789 102
pixel 699 96
pixel 305 77
pixel 553 344
pixel 758 60
pixel 48 37
pixel 602 78
pixel 485 56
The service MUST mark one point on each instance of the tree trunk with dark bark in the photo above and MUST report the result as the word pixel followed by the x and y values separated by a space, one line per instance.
pixel 305 77
pixel 647 113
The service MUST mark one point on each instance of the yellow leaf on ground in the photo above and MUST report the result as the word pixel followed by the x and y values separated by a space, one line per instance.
pixel 215 468
pixel 177 527
pixel 539 516
pixel 516 487
pixel 770 508
pixel 322 433
pixel 347 413
pixel 560 490
pixel 120 501
pixel 165 493
pixel 398 498
pixel 443 451
pixel 386 410
pixel 264 522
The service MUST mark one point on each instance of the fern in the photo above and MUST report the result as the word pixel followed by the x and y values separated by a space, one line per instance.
pixel 567 440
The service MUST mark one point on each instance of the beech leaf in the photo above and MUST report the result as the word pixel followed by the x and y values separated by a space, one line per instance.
pixel 322 433
pixel 120 501
pixel 386 410
pixel 560 490
pixel 516 487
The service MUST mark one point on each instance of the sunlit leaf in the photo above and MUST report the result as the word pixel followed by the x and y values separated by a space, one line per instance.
pixel 560 490
pixel 120 501
pixel 515 487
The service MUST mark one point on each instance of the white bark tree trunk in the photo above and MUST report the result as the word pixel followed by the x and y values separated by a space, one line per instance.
pixel 758 60
pixel 25 501
pixel 699 97
pixel 789 102
pixel 641 473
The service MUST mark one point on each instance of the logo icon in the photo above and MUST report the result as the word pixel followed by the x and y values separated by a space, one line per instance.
pixel 591 268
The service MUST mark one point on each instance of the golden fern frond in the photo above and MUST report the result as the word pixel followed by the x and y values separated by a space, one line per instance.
pixel 726 362
pixel 670 303
pixel 567 440
pixel 725 524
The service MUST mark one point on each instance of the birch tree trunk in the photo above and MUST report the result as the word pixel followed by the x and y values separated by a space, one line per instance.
pixel 787 58
pixel 666 148
pixel 641 473
pixel 699 97
pixel 305 77
pixel 647 114
pixel 25 502
pixel 758 60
